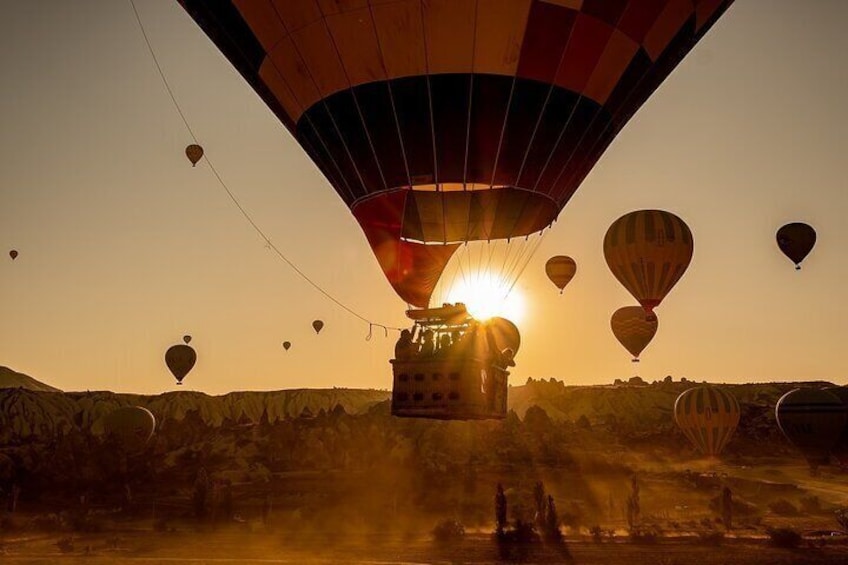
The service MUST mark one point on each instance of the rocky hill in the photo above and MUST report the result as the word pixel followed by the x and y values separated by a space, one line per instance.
pixel 13 379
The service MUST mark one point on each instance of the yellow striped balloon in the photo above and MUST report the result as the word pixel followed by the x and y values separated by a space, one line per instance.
pixel 648 251
pixel 633 329
pixel 560 269
pixel 707 416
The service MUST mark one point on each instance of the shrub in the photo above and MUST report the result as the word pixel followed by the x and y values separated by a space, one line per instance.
pixel 786 538
pixel 645 534
pixel 448 531
pixel 597 533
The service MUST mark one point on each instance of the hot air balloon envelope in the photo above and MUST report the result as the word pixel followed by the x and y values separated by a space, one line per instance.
pixel 707 416
pixel 560 269
pixel 633 328
pixel 286 345
pixel 13 254
pixel 796 240
pixel 194 153
pixel 813 420
pixel 317 325
pixel 648 251
pixel 187 339
pixel 445 121
pixel 180 359
pixel 131 426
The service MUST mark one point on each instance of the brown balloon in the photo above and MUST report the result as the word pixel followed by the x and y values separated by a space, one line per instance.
pixel 180 359
pixel 187 339
pixel 317 325
pixel 286 345
pixel 648 251
pixel 194 153
pixel 560 269
pixel 13 254
pixel 131 426
pixel 634 329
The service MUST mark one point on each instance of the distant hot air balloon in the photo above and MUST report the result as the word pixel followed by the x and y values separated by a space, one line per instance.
pixel 633 328
pixel 813 420
pixel 707 416
pixel 648 251
pixel 194 153
pixel 796 240
pixel 560 269
pixel 187 339
pixel 130 426
pixel 286 345
pixel 438 123
pixel 317 325
pixel 180 359
pixel 13 254
pixel 505 333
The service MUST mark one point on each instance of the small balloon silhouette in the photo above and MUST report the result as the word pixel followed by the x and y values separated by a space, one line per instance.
pixel 13 254
pixel 317 325
pixel 286 345
pixel 194 152
pixel 187 339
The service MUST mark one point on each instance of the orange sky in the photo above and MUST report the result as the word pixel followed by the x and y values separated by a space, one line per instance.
pixel 124 247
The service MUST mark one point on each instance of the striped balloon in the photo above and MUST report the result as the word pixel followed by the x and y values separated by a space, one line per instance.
pixel 813 420
pixel 707 416
pixel 560 269
pixel 445 121
pixel 648 251
pixel 633 329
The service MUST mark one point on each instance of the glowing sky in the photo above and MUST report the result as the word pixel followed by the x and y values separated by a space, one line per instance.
pixel 124 247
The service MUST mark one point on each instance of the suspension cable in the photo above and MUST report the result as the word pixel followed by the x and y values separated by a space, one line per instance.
pixel 268 243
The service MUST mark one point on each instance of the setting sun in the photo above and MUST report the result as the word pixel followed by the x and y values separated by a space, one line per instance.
pixel 487 295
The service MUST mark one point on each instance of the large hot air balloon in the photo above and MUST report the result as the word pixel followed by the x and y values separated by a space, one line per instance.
pixel 648 251
pixel 317 325
pixel 440 122
pixel 633 328
pixel 796 240
pixel 707 416
pixel 180 359
pixel 13 254
pixel 813 420
pixel 194 153
pixel 560 269
pixel 130 426
pixel 286 345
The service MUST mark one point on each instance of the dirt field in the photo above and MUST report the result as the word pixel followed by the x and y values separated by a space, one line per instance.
pixel 143 548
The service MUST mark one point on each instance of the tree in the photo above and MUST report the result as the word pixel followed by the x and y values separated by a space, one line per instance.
pixel 500 510
pixel 842 518
pixel 727 508
pixel 539 501
pixel 201 489
pixel 552 521
pixel 633 503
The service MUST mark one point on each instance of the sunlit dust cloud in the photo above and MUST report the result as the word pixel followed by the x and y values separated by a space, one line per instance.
pixel 487 295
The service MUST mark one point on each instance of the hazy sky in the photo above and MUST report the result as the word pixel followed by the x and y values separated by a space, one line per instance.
pixel 124 247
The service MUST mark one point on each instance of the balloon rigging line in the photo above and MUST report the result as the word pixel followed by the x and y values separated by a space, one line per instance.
pixel 235 200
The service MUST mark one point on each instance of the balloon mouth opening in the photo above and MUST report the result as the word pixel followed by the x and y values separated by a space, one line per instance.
pixel 634 360
pixel 179 383
pixel 797 267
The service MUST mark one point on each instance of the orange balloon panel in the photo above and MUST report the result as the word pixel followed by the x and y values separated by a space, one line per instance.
pixel 707 416
pixel 648 251
pixel 633 328
pixel 485 115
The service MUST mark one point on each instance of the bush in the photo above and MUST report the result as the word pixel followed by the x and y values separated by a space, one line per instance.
pixel 645 534
pixel 785 538
pixel 448 531
pixel 597 533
